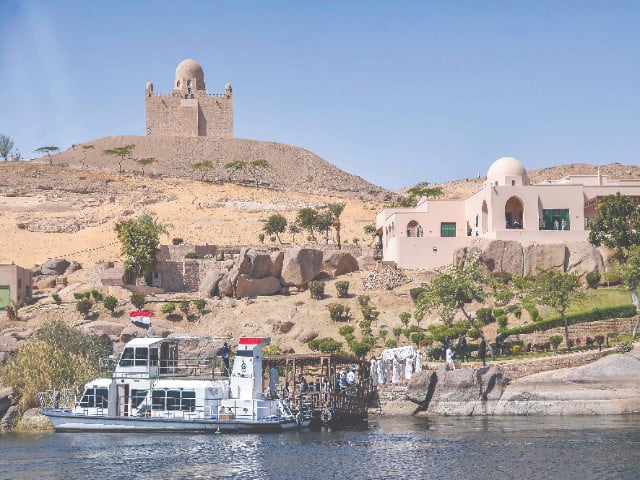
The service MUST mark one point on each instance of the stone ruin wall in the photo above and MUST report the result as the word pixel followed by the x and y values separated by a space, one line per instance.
pixel 206 116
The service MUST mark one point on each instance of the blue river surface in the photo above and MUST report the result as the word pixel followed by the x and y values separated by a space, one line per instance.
pixel 385 447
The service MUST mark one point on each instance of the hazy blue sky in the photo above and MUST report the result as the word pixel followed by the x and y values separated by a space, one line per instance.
pixel 396 92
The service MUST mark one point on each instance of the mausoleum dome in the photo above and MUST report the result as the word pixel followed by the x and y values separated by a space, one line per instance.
pixel 507 171
pixel 190 70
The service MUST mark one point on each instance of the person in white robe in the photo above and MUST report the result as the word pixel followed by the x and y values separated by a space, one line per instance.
pixel 418 361
pixel 381 367
pixel 373 371
pixel 395 368
pixel 449 357
pixel 408 368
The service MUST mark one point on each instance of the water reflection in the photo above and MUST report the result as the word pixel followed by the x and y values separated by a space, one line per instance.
pixel 386 447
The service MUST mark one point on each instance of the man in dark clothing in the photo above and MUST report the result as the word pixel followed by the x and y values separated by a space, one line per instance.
pixel 225 358
pixel 462 345
pixel 482 351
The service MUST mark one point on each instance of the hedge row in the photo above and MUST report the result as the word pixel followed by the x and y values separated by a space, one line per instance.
pixel 620 311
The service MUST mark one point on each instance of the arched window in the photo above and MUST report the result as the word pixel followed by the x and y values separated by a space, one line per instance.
pixel 513 213
pixel 414 229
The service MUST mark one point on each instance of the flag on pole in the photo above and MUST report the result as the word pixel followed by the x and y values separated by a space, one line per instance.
pixel 141 319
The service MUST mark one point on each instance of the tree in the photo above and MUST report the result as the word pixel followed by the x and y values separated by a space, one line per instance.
pixel 336 210
pixel 110 303
pixel 306 219
pixel 143 162
pixel 137 300
pixel 200 304
pixel 84 306
pixel 616 226
pixel 48 150
pixel 275 225
pixel 203 166
pixel 6 145
pixel 558 290
pixel 253 168
pixel 629 274
pixel 294 229
pixel 121 153
pixel 453 288
pixel 140 239
pixel 185 307
pixel 414 194
pixel 324 221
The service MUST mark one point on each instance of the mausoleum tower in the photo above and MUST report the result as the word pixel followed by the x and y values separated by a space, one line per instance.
pixel 189 111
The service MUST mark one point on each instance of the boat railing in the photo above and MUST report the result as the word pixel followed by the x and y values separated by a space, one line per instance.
pixel 143 368
pixel 63 399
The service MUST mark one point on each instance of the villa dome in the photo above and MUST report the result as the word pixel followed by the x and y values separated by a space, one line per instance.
pixel 507 171
pixel 190 70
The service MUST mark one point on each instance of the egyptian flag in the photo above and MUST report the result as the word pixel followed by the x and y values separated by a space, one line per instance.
pixel 141 319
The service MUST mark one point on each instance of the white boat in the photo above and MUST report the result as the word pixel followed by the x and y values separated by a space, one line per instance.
pixel 152 389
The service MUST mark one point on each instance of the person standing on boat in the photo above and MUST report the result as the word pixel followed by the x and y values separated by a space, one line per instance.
pixel 351 376
pixel 395 367
pixel 225 358
pixel 418 361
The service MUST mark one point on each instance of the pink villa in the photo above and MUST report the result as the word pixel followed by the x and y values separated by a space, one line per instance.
pixel 508 207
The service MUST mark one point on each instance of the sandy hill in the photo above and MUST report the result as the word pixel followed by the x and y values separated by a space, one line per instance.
pixel 290 168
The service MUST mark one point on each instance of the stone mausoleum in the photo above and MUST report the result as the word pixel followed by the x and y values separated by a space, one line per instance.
pixel 189 111
pixel 508 207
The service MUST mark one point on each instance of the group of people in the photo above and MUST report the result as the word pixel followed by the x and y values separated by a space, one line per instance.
pixel 383 371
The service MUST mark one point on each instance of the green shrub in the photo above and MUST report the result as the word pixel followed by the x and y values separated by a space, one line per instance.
pixel 336 310
pixel 473 333
pixel 555 340
pixel 414 293
pixel 346 330
pixel 342 287
pixel 261 237
pixel 57 356
pixel 418 338
pixel 502 321
pixel 84 306
pixel 78 295
pixel 271 350
pixel 137 300
pixel 325 345
pixel 184 308
pixel 87 294
pixel 363 347
pixel 620 311
pixel 391 343
pixel 110 303
pixel 97 295
pixel 397 331
pixel 168 308
pixel 56 298
pixel 517 312
pixel 200 304
pixel 593 279
pixel 316 289
pixel 382 333
pixel 485 316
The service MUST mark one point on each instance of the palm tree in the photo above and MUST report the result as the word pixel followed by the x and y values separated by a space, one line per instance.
pixel 336 210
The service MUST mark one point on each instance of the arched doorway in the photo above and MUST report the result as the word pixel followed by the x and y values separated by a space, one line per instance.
pixel 485 216
pixel 513 213
pixel 414 229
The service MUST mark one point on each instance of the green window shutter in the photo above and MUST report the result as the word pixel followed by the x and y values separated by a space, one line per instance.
pixel 448 229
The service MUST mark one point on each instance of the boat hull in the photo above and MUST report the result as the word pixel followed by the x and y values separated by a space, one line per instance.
pixel 65 421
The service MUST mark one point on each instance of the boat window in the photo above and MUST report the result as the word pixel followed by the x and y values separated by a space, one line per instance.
pixel 188 401
pixel 137 397
pixel 95 397
pixel 158 400
pixel 126 360
pixel 173 400
pixel 142 354
pixel 153 356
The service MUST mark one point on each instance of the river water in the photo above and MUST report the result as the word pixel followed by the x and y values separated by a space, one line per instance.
pixel 579 448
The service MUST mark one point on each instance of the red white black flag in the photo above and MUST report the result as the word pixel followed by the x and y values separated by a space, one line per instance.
pixel 141 319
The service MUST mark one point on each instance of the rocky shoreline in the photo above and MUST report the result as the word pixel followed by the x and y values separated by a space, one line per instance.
pixel 607 386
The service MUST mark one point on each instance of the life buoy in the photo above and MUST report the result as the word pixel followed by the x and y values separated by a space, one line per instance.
pixel 148 413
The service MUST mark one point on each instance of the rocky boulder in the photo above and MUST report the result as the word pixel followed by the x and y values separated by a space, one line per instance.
pixel 227 284
pixel 43 282
pixel 300 266
pixel 544 257
pixel 257 264
pixel 584 258
pixel 209 285
pixel 254 287
pixel 54 266
pixel 6 400
pixel 339 263
pixel 112 329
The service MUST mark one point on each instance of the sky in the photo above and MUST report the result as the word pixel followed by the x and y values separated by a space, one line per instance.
pixel 397 92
